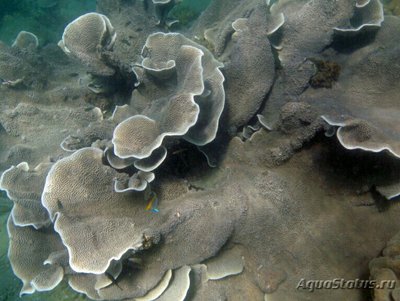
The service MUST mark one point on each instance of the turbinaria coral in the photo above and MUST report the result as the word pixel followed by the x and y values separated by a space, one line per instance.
pixel 152 168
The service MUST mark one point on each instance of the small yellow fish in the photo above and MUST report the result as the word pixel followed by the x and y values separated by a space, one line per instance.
pixel 152 203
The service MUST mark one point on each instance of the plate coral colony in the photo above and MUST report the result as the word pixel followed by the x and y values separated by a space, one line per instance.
pixel 225 157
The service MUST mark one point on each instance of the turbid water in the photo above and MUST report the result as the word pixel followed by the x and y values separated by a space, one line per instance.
pixel 199 150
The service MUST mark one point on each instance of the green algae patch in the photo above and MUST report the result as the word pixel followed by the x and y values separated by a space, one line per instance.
pixel 392 7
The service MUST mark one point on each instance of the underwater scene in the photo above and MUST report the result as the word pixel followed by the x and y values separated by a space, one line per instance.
pixel 200 150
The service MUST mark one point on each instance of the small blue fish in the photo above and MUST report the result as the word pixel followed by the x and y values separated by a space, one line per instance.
pixel 152 203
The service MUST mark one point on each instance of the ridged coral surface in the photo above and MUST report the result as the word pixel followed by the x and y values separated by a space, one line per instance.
pixel 197 151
